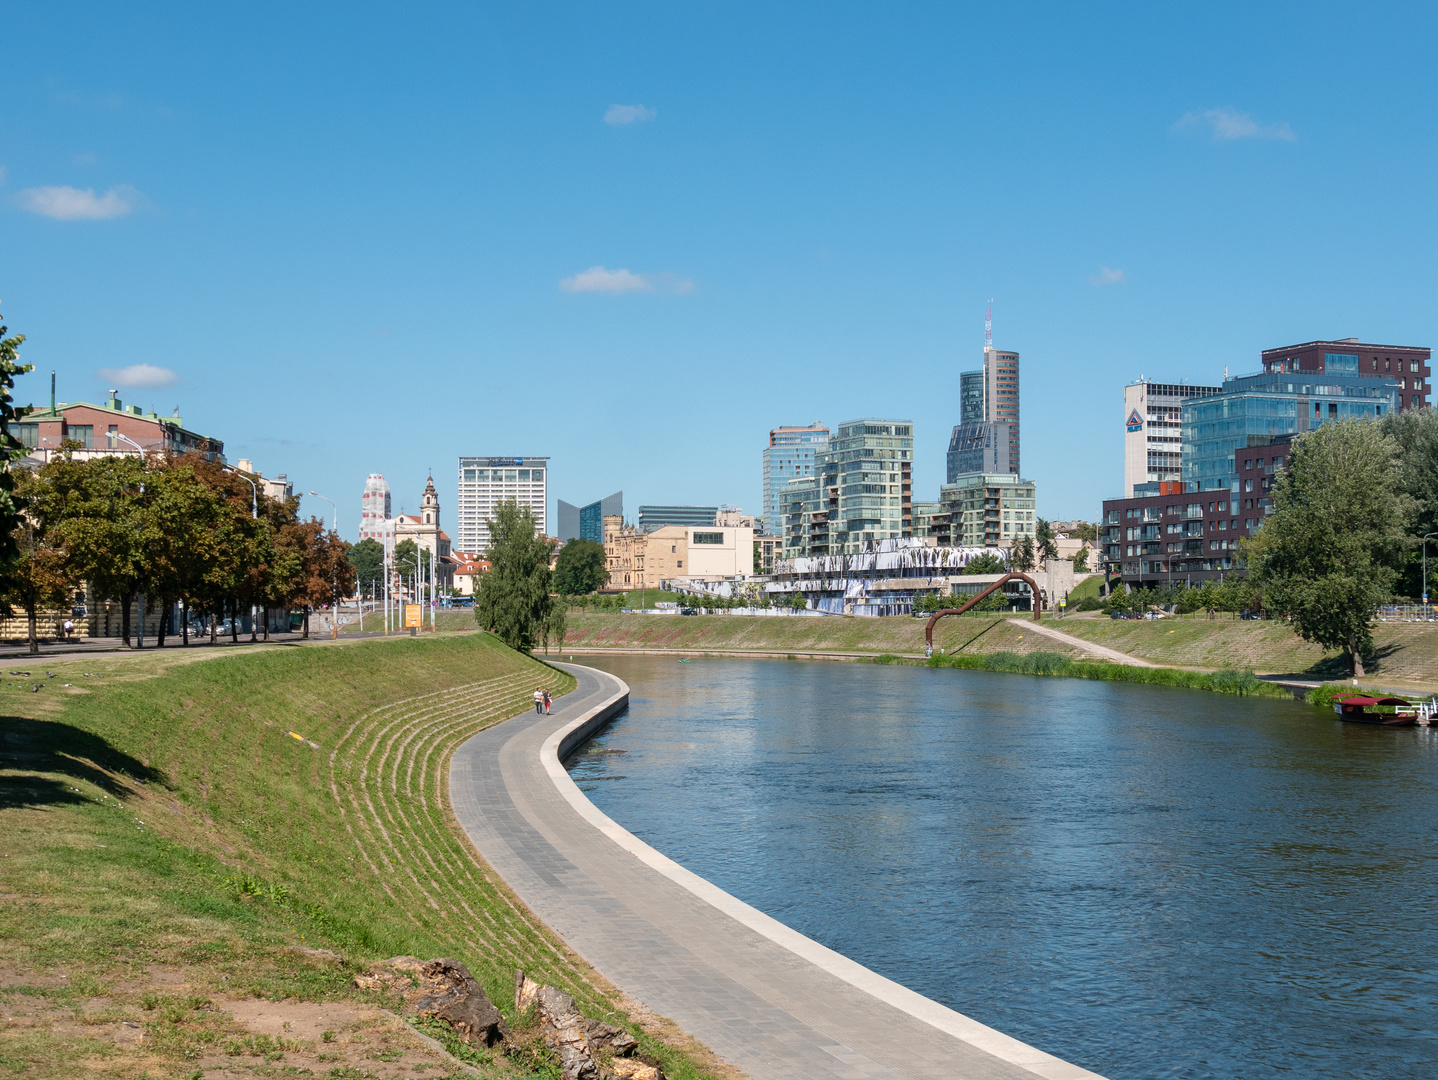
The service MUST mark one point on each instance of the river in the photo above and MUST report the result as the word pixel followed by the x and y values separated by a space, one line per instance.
pixel 1145 881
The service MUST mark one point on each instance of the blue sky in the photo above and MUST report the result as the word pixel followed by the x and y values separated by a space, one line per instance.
pixel 364 238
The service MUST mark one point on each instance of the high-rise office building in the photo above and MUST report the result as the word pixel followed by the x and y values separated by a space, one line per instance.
pixel 656 517
pixel 1001 396
pixel 1152 447
pixel 971 397
pixel 790 453
pixel 979 447
pixel 861 491
pixel 1274 402
pixel 485 482
pixel 587 522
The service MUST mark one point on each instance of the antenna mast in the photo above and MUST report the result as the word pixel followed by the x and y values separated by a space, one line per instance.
pixel 989 326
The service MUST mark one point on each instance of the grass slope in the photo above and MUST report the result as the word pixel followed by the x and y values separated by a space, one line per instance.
pixel 896 634
pixel 166 841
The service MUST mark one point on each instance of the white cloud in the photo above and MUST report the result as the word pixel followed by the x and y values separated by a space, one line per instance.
pixel 597 279
pixel 146 376
pixel 1227 124
pixel 1105 276
pixel 72 204
pixel 629 114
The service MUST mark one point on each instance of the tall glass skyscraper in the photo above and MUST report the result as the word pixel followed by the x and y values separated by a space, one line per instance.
pixel 790 453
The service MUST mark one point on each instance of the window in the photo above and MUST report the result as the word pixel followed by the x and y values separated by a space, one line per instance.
pixel 709 538
pixel 1248 463
pixel 1248 485
pixel 81 433
pixel 679 563
pixel 672 549
pixel 1332 411
pixel 1341 363
pixel 1412 365
pixel 115 430
pixel 28 434
pixel 524 475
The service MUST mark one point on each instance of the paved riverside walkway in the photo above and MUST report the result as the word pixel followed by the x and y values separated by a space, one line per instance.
pixel 766 999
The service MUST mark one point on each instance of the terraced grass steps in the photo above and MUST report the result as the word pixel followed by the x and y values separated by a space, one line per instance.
pixel 191 825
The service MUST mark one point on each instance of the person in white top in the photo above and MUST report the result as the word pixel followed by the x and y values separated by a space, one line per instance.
pixel 538 700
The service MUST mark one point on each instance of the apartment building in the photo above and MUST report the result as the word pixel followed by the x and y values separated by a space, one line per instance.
pixel 789 454
pixel 984 510
pixel 861 491
pixel 1153 438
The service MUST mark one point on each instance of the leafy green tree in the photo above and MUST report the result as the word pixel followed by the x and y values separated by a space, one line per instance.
pixel 513 598
pixel 367 559
pixel 986 563
pixel 1416 433
pixel 406 559
pixel 41 575
pixel 1045 541
pixel 10 448
pixel 1085 530
pixel 1081 561
pixel 797 601
pixel 97 513
pixel 1328 555
pixel 580 568
pixel 1021 555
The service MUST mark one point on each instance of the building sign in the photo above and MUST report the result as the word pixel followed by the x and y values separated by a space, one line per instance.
pixel 492 462
pixel 1135 422
pixel 412 615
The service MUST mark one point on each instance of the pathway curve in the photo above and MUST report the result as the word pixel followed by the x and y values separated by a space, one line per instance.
pixel 772 1002
pixel 1112 655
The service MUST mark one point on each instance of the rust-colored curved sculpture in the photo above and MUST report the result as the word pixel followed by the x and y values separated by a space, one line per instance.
pixel 1038 603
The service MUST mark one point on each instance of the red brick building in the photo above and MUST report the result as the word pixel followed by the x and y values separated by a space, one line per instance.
pixel 99 430
pixel 1407 365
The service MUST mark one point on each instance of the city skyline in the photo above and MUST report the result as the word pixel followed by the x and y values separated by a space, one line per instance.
pixel 636 220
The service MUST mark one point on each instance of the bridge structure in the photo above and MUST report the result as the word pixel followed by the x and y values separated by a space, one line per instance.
pixel 995 587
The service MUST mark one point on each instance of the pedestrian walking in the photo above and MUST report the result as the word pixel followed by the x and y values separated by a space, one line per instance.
pixel 546 703
pixel 538 701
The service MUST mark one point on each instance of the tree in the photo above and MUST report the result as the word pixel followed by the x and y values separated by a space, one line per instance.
pixel 1084 530
pixel 1021 555
pixel 580 568
pixel 1047 544
pixel 1416 433
pixel 513 598
pixel 367 558
pixel 10 448
pixel 1328 555
pixel 987 563
pixel 325 561
pixel 797 601
pixel 40 577
pixel 1081 561
pixel 406 559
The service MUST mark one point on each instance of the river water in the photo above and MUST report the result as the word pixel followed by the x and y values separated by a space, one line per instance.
pixel 1149 882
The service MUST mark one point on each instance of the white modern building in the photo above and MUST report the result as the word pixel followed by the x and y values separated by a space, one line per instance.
pixel 1152 443
pixel 376 518
pixel 485 482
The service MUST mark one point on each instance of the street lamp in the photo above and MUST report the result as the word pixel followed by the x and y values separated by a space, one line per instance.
pixel 334 584
pixel 1425 568
pixel 254 490
pixel 133 443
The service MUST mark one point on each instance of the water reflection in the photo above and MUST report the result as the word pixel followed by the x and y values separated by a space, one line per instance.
pixel 1142 880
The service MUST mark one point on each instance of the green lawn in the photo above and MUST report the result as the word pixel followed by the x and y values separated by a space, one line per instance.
pixel 167 839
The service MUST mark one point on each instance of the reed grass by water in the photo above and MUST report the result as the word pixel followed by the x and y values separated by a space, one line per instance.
pixel 1238 683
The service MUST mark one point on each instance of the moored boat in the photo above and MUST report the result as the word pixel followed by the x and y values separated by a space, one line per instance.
pixel 1363 710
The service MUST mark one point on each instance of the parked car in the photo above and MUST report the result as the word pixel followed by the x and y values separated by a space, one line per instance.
pixel 1250 615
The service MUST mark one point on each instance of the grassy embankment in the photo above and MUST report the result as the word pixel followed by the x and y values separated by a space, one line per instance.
pixel 167 847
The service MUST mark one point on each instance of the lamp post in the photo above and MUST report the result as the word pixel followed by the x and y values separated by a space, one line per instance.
pixel 334 585
pixel 1425 571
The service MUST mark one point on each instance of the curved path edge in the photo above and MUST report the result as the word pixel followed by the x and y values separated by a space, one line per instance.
pixel 556 864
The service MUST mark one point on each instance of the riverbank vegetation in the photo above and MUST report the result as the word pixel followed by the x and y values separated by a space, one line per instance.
pixel 180 831
pixel 1238 683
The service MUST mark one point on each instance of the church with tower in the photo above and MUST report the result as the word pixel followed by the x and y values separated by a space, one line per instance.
pixel 423 528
